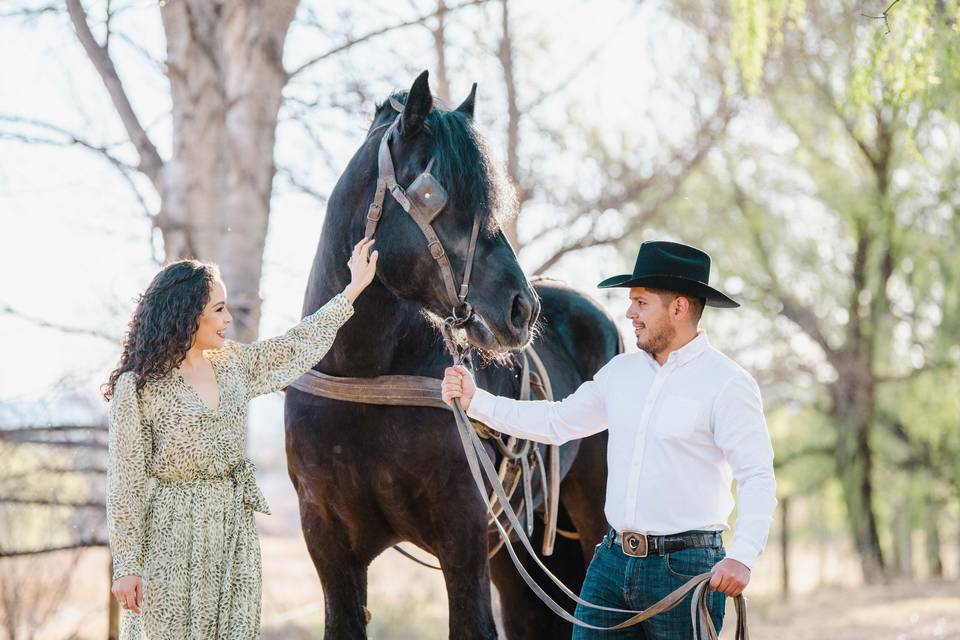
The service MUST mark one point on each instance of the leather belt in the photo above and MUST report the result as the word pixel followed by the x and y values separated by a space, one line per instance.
pixel 640 545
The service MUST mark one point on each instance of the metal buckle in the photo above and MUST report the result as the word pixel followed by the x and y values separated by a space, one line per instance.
pixel 634 544
pixel 436 250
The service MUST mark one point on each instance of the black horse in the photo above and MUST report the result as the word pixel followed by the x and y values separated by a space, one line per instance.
pixel 371 476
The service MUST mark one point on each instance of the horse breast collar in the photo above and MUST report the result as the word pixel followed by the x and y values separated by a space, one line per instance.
pixel 424 199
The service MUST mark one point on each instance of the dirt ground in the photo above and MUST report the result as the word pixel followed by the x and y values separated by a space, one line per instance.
pixel 408 602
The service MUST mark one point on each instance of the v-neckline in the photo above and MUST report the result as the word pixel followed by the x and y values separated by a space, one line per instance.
pixel 196 395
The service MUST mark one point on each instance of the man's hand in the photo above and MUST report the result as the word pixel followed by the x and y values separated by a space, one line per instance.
pixel 730 577
pixel 458 383
pixel 129 591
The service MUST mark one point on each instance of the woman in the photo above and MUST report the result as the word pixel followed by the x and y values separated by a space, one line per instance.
pixel 180 494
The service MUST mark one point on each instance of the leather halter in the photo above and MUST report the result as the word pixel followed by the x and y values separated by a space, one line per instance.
pixel 387 182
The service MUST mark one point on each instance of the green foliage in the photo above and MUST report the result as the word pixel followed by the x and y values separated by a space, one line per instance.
pixel 916 60
pixel 834 204
pixel 757 25
pixel 908 53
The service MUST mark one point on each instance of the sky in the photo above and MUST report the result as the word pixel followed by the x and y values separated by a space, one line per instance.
pixel 75 248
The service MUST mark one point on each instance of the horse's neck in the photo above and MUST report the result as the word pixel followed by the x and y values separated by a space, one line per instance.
pixel 386 335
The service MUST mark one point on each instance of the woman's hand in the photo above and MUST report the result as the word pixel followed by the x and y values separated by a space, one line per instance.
pixel 129 591
pixel 363 266
pixel 458 383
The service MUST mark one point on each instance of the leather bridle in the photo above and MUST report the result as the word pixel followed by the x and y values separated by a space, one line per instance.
pixel 415 201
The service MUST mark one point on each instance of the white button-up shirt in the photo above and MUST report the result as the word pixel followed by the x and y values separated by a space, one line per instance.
pixel 679 434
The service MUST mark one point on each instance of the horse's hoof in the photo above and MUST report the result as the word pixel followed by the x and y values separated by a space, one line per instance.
pixel 367 616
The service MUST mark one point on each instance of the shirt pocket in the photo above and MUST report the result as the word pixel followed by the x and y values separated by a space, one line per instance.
pixel 678 416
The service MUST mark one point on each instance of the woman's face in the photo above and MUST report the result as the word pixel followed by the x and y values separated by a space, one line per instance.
pixel 214 319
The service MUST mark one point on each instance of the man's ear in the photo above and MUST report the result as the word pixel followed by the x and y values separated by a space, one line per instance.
pixel 680 306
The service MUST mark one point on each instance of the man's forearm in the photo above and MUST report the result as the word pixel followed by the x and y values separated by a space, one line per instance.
pixel 757 498
pixel 543 421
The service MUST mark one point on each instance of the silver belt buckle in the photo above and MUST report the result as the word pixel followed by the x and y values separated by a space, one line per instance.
pixel 634 543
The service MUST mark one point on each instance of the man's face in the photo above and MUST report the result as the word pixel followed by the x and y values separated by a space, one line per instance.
pixel 653 326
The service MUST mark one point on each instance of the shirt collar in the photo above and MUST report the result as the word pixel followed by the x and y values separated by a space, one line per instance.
pixel 691 350
pixel 686 353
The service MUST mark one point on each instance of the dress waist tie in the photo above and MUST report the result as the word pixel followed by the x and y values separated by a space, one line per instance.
pixel 246 497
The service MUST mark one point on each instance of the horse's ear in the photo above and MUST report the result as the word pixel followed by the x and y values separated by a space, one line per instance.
pixel 467 105
pixel 419 103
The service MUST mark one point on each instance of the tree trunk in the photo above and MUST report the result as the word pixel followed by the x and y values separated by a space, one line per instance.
pixel 505 55
pixel 785 546
pixel 934 561
pixel 226 81
pixel 113 607
pixel 442 80
pixel 902 544
pixel 853 414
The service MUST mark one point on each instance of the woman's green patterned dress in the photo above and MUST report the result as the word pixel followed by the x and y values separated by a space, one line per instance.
pixel 181 495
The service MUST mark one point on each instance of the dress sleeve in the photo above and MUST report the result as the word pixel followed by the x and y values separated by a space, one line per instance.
pixel 274 363
pixel 128 451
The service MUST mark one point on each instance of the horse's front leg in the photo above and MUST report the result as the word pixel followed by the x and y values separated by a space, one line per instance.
pixel 460 543
pixel 342 575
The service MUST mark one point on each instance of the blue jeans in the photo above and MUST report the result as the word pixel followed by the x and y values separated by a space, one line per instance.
pixel 615 579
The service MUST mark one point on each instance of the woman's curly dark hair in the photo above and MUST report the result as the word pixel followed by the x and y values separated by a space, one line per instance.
pixel 161 330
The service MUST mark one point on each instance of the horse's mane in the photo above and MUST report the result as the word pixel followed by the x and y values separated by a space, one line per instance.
pixel 464 164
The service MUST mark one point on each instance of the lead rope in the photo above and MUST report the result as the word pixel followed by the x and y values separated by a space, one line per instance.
pixel 478 459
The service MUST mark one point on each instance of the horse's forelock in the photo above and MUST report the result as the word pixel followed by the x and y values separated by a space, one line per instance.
pixel 465 166
pixel 463 163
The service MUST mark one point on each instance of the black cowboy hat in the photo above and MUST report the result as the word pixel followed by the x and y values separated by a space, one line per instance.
pixel 672 266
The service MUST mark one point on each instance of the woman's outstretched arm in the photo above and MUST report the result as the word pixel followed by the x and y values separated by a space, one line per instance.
pixel 274 363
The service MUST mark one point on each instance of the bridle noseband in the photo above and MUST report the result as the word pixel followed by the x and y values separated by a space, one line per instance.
pixel 424 199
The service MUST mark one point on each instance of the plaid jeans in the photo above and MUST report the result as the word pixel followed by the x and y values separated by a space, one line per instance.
pixel 615 579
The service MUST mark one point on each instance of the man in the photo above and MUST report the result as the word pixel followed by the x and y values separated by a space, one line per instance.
pixel 683 420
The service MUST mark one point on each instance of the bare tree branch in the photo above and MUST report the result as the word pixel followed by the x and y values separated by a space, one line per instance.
pixel 709 132
pixel 124 169
pixel 151 164
pixel 64 444
pixel 52 429
pixel 37 502
pixel 144 53
pixel 32 473
pixel 34 12
pixel 885 16
pixel 378 32
pixel 507 65
pixel 578 68
pixel 7 309
pixel 302 187
pixel 69 139
pixel 76 545
pixel 791 308
pixel 943 365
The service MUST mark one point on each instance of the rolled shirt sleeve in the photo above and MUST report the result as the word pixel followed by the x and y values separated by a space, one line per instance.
pixel 740 431
pixel 274 363
pixel 128 453
pixel 581 414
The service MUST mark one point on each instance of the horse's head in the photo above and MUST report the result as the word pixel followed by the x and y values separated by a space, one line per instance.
pixel 503 302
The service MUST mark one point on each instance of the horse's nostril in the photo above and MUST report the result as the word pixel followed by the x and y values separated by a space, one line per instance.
pixel 520 312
